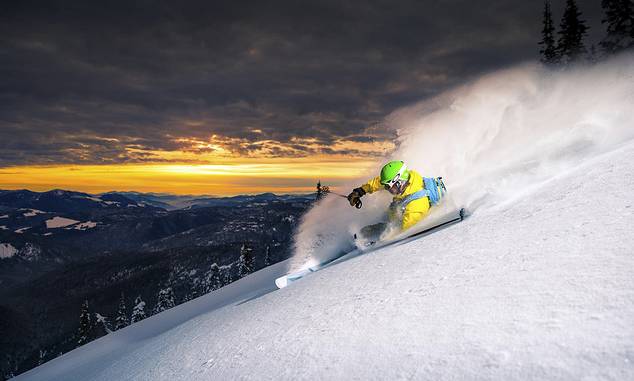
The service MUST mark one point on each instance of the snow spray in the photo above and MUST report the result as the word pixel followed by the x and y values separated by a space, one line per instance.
pixel 492 140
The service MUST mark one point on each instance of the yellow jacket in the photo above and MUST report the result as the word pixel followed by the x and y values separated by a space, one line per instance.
pixel 414 211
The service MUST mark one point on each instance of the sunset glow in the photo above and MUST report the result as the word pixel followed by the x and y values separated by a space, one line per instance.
pixel 238 176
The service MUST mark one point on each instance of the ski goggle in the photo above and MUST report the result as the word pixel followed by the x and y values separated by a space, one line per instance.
pixel 396 186
pixel 396 180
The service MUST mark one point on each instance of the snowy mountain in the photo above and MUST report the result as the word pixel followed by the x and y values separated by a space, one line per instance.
pixel 62 201
pixel 173 202
pixel 51 262
pixel 536 284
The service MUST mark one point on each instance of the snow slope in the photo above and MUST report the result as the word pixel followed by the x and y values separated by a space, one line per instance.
pixel 540 287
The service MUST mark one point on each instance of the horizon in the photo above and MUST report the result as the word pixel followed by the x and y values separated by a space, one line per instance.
pixel 157 194
pixel 220 180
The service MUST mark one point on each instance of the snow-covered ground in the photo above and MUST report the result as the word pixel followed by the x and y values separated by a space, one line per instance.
pixel 84 225
pixel 538 288
pixel 59 222
pixel 7 250
pixel 32 212
pixel 95 199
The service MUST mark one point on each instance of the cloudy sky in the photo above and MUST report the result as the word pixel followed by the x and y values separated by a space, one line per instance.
pixel 175 96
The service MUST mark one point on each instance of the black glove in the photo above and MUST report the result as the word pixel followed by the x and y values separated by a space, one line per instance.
pixel 355 196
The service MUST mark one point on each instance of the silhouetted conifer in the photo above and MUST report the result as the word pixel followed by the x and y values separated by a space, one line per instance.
pixel 138 311
pixel 212 280
pixel 619 17
pixel 267 256
pixel 165 300
pixel 121 320
pixel 86 325
pixel 549 53
pixel 571 34
pixel 246 261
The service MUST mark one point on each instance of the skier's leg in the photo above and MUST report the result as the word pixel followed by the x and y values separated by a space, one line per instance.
pixel 372 232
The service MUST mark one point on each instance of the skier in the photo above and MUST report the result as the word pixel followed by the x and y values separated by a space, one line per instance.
pixel 413 196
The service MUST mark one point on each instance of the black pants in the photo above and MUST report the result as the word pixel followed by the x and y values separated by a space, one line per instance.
pixel 373 232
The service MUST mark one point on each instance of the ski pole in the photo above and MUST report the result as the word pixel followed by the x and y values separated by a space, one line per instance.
pixel 358 204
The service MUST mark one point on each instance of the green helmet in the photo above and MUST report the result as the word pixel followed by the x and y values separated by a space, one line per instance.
pixel 393 172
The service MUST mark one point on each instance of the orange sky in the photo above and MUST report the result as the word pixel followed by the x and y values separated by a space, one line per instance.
pixel 235 176
pixel 206 168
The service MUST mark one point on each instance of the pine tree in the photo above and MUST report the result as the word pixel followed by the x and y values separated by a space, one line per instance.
pixel 212 280
pixel 592 55
pixel 549 53
pixel 191 295
pixel 619 17
pixel 86 325
pixel 11 368
pixel 226 275
pixel 267 256
pixel 138 312
pixel 9 374
pixel 246 261
pixel 42 357
pixel 191 283
pixel 165 300
pixel 572 31
pixel 101 325
pixel 322 191
pixel 122 315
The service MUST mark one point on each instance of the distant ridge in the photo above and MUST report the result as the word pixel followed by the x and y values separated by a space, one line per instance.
pixel 60 200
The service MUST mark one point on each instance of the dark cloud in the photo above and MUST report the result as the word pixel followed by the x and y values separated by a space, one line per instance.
pixel 102 82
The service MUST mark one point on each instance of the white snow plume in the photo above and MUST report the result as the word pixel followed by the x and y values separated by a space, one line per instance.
pixel 496 138
pixel 493 140
pixel 327 229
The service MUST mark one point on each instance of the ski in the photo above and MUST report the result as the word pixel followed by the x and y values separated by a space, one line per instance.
pixel 287 279
pixel 461 216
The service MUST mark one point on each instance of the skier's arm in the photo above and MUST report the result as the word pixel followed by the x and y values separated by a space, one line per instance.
pixel 369 187
pixel 372 185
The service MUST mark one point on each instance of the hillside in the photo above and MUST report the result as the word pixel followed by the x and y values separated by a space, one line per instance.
pixel 59 249
pixel 537 287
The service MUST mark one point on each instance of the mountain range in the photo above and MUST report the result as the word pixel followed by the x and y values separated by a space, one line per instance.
pixel 59 249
